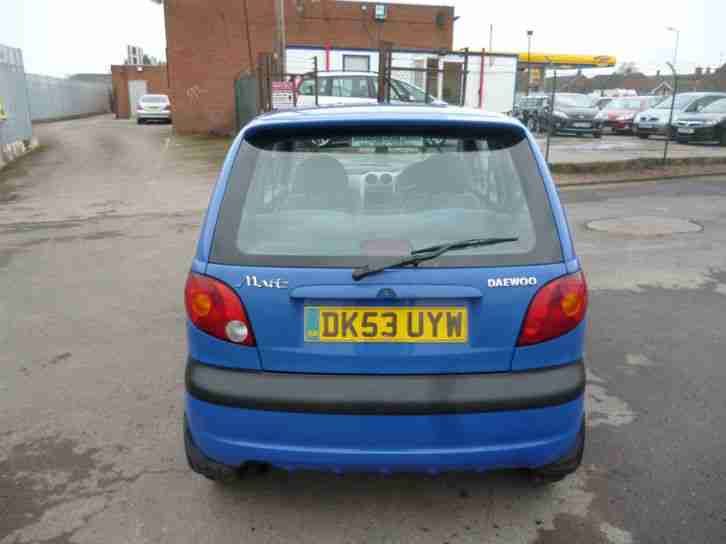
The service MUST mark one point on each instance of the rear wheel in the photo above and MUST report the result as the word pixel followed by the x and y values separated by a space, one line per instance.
pixel 642 136
pixel 562 468
pixel 722 141
pixel 139 121
pixel 597 135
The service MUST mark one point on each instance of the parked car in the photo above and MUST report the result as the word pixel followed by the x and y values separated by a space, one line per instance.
pixel 346 88
pixel 655 120
pixel 707 125
pixel 619 115
pixel 601 102
pixel 572 114
pixel 531 110
pixel 153 107
pixel 411 302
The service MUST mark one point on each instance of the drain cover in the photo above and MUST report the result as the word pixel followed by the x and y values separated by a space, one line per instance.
pixel 645 225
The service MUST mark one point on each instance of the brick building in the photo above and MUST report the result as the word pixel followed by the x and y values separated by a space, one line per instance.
pixel 209 44
pixel 143 79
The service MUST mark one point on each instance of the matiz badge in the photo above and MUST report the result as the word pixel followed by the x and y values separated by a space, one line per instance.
pixel 277 283
pixel 524 281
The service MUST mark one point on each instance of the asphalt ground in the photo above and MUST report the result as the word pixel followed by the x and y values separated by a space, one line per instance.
pixel 97 230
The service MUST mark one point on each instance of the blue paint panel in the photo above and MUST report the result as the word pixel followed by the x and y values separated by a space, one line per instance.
pixel 559 351
pixel 495 318
pixel 212 351
pixel 494 440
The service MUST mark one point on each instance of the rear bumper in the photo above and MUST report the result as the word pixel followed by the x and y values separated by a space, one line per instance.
pixel 385 394
pixel 154 115
pixel 359 437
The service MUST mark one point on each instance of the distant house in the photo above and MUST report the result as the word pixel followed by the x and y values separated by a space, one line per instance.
pixel 659 84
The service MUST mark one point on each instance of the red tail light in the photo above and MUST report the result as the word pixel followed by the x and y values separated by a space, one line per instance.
pixel 217 310
pixel 557 308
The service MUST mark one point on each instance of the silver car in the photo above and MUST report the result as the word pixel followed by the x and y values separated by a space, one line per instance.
pixel 153 107
pixel 655 120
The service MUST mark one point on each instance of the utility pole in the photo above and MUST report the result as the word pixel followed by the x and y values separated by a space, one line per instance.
pixel 491 42
pixel 529 58
pixel 281 38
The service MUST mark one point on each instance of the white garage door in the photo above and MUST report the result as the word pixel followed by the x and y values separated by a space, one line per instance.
pixel 137 89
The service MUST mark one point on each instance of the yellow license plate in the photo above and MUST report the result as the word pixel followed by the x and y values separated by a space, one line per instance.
pixel 376 324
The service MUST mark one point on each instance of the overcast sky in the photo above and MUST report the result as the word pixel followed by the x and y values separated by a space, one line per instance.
pixel 62 37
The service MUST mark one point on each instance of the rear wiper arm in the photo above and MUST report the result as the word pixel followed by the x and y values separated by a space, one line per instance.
pixel 428 253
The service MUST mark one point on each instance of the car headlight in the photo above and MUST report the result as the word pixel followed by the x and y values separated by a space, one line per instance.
pixel 711 122
pixel 560 114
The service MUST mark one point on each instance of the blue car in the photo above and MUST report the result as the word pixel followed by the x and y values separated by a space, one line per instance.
pixel 408 299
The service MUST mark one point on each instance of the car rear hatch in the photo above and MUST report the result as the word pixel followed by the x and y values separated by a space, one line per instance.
pixel 297 219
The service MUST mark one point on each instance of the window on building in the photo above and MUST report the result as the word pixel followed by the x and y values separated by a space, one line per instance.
pixel 356 63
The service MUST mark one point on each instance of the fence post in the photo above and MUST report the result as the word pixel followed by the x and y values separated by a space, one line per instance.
pixel 315 75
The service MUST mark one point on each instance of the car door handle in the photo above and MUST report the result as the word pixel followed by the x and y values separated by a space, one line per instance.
pixel 383 291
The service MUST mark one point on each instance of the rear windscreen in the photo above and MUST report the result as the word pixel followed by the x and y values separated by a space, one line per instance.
pixel 350 198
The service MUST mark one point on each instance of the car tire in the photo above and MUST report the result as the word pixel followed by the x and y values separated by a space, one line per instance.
pixel 563 467
pixel 201 464
pixel 722 141
pixel 139 121
pixel 642 136
pixel 597 135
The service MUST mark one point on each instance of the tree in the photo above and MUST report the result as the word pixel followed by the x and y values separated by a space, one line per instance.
pixel 627 68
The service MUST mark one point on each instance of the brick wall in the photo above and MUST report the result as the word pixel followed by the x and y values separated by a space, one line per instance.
pixel 208 47
pixel 156 79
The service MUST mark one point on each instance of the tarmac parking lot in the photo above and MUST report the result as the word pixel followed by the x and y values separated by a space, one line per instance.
pixel 612 147
pixel 97 230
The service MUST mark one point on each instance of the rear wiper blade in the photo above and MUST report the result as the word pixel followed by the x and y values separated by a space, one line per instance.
pixel 427 253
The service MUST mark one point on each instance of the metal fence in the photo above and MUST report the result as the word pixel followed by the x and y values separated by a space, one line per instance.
pixel 54 98
pixel 16 124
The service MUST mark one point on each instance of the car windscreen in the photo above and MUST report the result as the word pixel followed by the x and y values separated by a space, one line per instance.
pixel 681 101
pixel 633 104
pixel 716 107
pixel 155 99
pixel 573 101
pixel 337 198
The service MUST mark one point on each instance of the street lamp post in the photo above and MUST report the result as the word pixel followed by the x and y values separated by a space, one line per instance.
pixel 529 58
pixel 670 118
pixel 675 51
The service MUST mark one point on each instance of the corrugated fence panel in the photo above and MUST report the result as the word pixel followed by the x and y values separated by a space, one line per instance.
pixel 14 96
pixel 55 98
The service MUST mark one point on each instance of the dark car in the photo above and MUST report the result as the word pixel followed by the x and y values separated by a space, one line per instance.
pixel 707 125
pixel 531 110
pixel 573 114
pixel 655 120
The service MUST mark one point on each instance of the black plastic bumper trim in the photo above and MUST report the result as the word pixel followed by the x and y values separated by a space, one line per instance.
pixel 385 394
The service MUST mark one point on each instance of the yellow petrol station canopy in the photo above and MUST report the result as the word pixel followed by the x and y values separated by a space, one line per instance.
pixel 571 61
